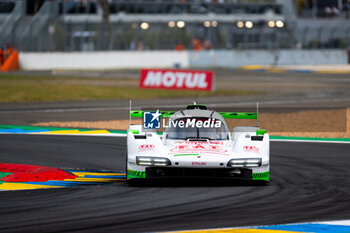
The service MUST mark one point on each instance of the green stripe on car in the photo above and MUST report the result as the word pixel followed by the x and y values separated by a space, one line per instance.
pixel 134 131
pixel 135 174
pixel 226 115
pixel 186 155
pixel 261 131
pixel 261 176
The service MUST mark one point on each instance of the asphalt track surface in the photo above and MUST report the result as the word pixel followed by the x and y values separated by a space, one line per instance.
pixel 310 182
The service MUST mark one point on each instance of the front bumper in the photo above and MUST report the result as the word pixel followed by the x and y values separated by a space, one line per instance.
pixel 219 173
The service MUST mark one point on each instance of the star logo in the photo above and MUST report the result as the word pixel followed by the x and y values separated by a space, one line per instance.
pixel 151 120
pixel 155 115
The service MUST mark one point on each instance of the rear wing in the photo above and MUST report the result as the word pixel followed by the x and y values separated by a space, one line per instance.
pixel 225 115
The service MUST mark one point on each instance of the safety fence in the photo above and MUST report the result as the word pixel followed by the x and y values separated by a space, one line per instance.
pixel 166 25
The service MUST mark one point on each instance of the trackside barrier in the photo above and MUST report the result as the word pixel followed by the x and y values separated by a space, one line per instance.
pixel 102 60
pixel 285 57
pixel 182 59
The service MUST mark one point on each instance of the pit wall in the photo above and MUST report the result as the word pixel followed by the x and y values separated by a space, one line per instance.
pixel 183 59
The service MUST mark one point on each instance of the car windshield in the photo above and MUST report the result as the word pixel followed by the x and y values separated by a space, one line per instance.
pixel 197 128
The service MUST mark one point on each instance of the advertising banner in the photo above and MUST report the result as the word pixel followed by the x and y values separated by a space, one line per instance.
pixel 202 80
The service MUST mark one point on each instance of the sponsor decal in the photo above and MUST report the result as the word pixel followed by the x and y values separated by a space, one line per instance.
pixel 199 163
pixel 177 79
pixel 199 148
pixel 151 120
pixel 199 142
pixel 253 149
pixel 146 147
pixel 193 122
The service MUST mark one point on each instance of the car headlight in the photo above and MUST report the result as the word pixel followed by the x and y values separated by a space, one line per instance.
pixel 152 161
pixel 256 162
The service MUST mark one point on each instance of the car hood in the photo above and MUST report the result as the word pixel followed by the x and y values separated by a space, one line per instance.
pixel 198 148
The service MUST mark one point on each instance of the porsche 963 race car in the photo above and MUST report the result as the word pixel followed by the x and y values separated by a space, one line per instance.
pixel 196 143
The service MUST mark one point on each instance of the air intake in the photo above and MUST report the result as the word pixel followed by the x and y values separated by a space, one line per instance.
pixel 196 106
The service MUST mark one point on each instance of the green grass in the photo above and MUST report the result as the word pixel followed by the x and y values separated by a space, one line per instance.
pixel 47 88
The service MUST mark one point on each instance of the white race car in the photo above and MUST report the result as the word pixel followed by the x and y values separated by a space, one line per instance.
pixel 196 143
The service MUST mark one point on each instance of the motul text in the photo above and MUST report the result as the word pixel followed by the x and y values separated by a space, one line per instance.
pixel 177 79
